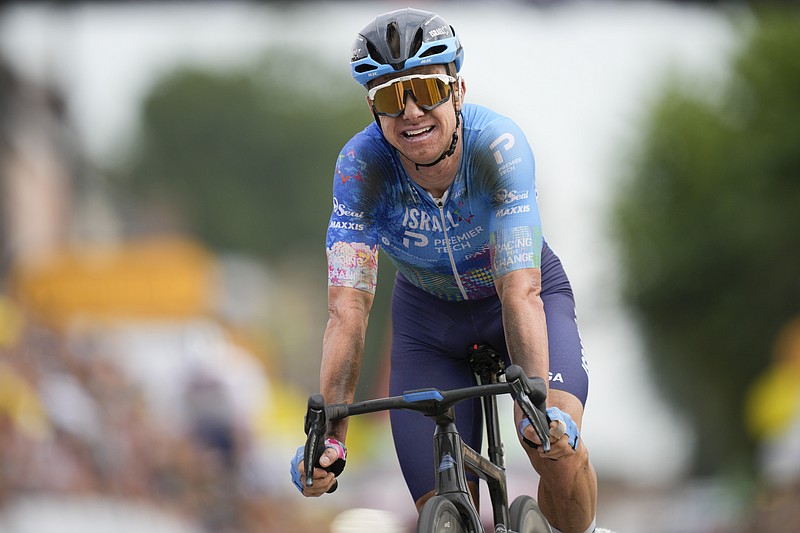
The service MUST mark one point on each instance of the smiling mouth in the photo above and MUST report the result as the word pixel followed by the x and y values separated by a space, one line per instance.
pixel 415 133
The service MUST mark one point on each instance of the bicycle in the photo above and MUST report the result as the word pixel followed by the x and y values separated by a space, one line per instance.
pixel 452 509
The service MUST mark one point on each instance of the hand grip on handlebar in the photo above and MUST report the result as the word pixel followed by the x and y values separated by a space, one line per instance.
pixel 315 424
pixel 531 396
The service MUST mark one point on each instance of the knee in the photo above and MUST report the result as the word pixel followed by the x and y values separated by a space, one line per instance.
pixel 564 469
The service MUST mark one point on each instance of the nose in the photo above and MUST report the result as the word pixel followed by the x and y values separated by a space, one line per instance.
pixel 411 109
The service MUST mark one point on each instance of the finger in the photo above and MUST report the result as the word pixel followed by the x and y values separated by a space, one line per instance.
pixel 531 435
pixel 557 430
pixel 328 457
pixel 558 450
pixel 323 481
pixel 320 474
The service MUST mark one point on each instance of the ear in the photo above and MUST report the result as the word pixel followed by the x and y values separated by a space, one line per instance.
pixel 459 92
pixel 374 114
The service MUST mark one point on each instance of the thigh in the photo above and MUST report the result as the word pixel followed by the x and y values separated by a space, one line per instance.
pixel 413 432
pixel 419 360
pixel 568 366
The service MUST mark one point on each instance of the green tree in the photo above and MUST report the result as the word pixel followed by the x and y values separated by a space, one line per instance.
pixel 709 234
pixel 247 154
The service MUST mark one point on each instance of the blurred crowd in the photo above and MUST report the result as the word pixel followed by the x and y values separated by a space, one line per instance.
pixel 79 420
pixel 73 424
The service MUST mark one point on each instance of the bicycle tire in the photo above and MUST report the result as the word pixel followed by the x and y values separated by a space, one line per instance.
pixel 439 515
pixel 524 516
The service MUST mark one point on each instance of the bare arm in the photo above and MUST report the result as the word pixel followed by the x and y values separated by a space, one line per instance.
pixel 342 348
pixel 524 320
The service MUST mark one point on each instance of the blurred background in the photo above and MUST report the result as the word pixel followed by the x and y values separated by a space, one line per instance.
pixel 165 176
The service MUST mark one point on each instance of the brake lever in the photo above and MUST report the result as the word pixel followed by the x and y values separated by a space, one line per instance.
pixel 315 425
pixel 525 390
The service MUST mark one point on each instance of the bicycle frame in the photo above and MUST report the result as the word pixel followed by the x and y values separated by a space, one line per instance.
pixel 452 455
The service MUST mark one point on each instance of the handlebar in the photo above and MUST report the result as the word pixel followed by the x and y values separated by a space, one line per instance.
pixel 529 393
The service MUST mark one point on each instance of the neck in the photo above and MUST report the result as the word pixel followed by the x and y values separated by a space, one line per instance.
pixel 435 179
pixel 436 176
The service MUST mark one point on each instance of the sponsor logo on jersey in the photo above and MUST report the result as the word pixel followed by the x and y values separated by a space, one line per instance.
pixel 511 260
pixel 414 218
pixel 340 209
pixel 510 246
pixel 346 225
pixel 422 222
pixel 477 253
pixel 505 196
pixel 514 252
pixel 513 210
pixel 417 239
pixel 457 243
pixel 510 166
pixel 507 141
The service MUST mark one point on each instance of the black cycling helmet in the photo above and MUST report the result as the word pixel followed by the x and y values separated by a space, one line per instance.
pixel 401 40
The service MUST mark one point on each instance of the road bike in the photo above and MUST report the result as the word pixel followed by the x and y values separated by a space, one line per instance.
pixel 451 509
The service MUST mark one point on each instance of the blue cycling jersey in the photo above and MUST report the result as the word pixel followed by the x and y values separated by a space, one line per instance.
pixel 486 225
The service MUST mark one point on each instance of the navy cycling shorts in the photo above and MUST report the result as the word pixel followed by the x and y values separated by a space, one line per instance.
pixel 430 341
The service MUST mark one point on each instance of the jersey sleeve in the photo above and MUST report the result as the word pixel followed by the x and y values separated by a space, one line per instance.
pixel 351 242
pixel 508 168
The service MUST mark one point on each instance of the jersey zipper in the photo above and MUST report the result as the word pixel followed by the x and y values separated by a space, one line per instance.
pixel 440 204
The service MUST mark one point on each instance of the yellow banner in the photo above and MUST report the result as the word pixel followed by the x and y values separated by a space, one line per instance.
pixel 153 278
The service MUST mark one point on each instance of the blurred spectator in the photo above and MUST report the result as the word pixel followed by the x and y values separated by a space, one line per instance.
pixel 773 416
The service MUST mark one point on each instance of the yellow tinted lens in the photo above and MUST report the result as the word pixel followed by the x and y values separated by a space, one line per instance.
pixel 429 92
pixel 389 100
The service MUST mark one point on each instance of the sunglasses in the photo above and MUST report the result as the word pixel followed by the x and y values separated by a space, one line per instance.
pixel 428 91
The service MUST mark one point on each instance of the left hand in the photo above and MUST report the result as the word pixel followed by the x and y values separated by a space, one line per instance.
pixel 564 435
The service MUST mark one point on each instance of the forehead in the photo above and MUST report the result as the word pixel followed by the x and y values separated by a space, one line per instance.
pixel 425 69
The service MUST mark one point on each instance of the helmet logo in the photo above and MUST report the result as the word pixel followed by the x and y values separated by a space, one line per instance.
pixel 441 30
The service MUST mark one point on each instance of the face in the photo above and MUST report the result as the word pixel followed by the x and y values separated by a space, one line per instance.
pixel 419 134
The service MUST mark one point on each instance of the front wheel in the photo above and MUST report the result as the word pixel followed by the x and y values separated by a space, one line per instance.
pixel 439 515
pixel 525 516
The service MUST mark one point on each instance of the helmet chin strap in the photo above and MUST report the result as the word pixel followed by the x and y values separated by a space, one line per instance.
pixel 447 153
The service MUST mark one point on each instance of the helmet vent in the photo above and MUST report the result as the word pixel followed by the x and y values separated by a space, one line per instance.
pixel 393 40
pixel 374 54
pixel 433 50
pixel 416 44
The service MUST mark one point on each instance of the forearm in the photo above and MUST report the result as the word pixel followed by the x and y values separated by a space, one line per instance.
pixel 524 321
pixel 342 349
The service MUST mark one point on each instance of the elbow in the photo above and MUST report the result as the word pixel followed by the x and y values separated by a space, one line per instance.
pixel 520 286
pixel 349 307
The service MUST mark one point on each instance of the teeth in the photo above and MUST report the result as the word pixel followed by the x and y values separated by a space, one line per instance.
pixel 413 133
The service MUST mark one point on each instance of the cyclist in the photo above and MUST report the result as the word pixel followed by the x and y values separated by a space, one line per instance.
pixel 446 190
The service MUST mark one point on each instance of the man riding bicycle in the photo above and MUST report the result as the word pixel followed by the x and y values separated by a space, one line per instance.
pixel 446 190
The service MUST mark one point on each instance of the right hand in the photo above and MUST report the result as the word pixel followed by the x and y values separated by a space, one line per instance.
pixel 323 480
pixel 564 435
